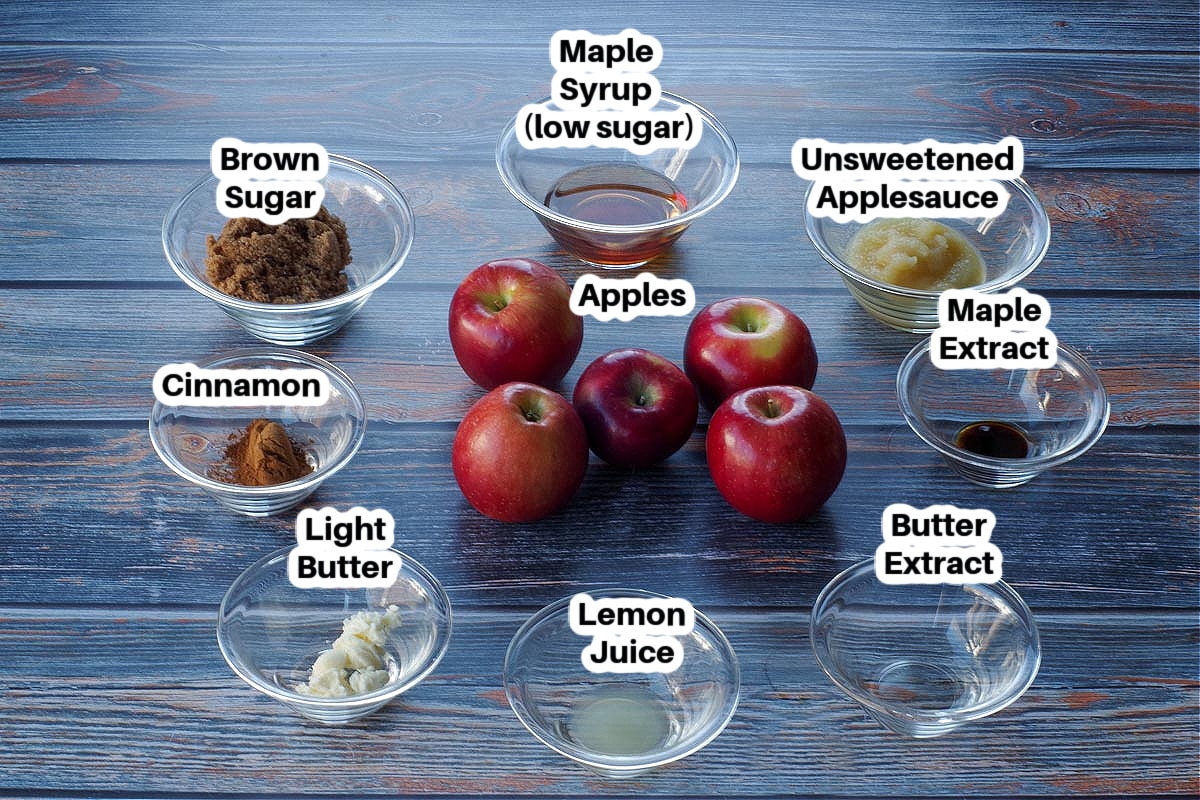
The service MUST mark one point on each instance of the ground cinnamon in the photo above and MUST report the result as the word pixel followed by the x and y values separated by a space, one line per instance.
pixel 299 261
pixel 262 455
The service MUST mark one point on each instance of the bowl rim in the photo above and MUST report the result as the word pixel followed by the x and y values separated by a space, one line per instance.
pixel 1097 421
pixel 405 221
pixel 619 763
pixel 312 479
pixel 1042 223
pixel 440 599
pixel 729 175
pixel 865 569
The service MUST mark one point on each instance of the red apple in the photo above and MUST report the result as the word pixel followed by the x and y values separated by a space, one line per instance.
pixel 776 453
pixel 638 407
pixel 520 453
pixel 511 320
pixel 742 342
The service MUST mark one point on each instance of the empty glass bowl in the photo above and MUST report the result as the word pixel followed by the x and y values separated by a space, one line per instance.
pixel 606 226
pixel 271 632
pixel 192 440
pixel 924 659
pixel 379 227
pixel 1012 245
pixel 1059 411
pixel 618 724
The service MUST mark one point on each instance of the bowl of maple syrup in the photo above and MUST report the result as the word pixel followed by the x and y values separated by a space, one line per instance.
pixel 612 208
pixel 1003 427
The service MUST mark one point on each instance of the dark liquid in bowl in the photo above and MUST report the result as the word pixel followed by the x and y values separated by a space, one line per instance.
pixel 616 194
pixel 994 439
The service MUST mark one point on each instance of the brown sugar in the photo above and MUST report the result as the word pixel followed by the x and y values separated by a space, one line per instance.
pixel 299 261
pixel 262 455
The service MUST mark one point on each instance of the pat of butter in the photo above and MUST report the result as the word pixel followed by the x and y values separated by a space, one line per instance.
pixel 357 661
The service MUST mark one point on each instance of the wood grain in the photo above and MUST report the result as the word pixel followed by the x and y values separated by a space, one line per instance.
pixel 1101 679
pixel 111 566
pixel 397 351
pixel 1110 231
pixel 422 103
pixel 806 25
pixel 666 528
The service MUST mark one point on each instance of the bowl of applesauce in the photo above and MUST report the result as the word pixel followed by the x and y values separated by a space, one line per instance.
pixel 896 267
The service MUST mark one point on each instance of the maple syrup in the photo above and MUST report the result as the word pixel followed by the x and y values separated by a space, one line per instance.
pixel 616 194
pixel 994 439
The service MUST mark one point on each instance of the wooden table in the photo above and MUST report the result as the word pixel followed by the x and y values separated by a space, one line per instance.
pixel 111 567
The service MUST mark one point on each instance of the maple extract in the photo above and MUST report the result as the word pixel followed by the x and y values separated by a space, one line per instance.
pixel 994 439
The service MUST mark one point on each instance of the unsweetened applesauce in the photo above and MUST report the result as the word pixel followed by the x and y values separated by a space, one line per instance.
pixel 915 254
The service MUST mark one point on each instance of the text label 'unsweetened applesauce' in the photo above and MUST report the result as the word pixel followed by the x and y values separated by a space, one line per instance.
pixel 631 634
pixel 344 550
pixel 858 182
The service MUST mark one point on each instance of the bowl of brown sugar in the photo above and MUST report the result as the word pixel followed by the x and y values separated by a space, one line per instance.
pixel 262 459
pixel 302 280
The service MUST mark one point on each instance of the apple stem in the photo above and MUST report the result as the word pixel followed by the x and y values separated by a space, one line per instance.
pixel 772 408
pixel 744 321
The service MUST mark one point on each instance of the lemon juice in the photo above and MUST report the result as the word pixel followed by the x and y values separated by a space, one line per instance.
pixel 620 721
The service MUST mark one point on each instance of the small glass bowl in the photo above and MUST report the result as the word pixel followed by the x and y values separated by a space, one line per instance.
pixel 379 226
pixel 1012 245
pixel 271 632
pixel 191 440
pixel 924 659
pixel 618 724
pixel 1061 410
pixel 704 175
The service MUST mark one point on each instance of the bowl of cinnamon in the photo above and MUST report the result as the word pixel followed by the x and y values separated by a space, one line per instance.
pixel 299 281
pixel 262 460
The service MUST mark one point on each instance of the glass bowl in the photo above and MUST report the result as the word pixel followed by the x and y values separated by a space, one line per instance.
pixel 1059 411
pixel 379 226
pixel 924 659
pixel 703 176
pixel 1012 245
pixel 191 440
pixel 271 632
pixel 618 724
